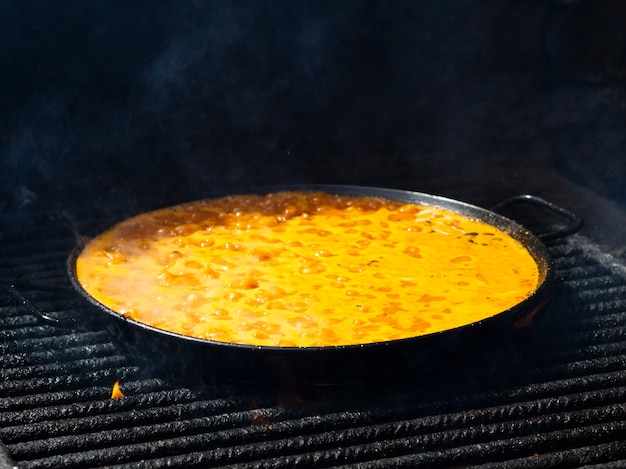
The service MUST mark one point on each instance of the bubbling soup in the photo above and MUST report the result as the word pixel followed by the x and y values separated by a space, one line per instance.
pixel 305 269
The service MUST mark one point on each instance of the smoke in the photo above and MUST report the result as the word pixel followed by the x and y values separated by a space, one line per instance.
pixel 153 102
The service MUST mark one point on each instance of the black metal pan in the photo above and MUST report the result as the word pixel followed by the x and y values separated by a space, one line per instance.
pixel 405 358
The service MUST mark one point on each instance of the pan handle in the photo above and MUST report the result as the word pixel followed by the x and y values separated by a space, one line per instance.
pixel 575 222
pixel 16 290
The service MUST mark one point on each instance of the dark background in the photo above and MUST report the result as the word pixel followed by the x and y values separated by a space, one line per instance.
pixel 155 102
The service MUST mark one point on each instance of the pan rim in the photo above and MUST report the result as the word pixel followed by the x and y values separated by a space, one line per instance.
pixel 529 240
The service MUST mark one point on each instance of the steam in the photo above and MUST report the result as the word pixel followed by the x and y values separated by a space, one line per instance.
pixel 153 103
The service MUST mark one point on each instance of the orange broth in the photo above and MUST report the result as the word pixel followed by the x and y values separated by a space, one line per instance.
pixel 302 269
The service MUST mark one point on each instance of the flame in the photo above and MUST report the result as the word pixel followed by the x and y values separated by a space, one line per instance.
pixel 117 392
pixel 259 419
pixel 525 319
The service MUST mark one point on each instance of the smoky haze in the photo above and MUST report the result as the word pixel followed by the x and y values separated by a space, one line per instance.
pixel 165 101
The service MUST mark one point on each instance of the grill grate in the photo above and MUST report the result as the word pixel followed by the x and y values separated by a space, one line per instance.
pixel 557 398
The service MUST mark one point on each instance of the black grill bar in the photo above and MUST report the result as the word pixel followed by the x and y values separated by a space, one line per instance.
pixel 47 356
pixel 55 383
pixel 59 368
pixel 38 407
pixel 529 449
pixel 447 449
pixel 521 416
pixel 40 339
pixel 599 456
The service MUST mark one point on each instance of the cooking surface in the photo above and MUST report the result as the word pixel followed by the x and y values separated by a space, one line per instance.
pixel 551 397
pixel 116 108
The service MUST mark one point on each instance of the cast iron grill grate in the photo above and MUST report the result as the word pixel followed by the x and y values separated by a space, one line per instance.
pixel 556 399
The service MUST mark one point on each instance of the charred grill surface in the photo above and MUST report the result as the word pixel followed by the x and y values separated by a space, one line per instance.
pixel 554 397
